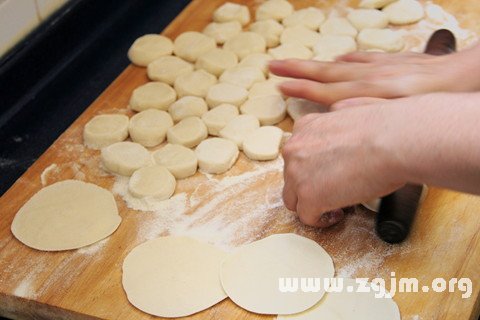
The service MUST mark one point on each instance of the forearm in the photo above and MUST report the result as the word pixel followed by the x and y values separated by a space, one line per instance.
pixel 463 69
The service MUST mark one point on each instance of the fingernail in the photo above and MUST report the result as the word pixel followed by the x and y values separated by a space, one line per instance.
pixel 332 217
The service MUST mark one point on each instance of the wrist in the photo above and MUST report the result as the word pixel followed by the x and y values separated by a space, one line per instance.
pixel 462 70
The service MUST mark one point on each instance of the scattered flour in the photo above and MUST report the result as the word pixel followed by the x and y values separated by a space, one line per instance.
pixel 44 176
pixel 93 248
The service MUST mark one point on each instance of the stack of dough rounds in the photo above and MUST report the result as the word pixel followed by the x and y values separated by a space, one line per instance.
pixel 190 45
pixel 368 18
pixel 265 88
pixel 269 29
pixel 263 143
pixel 187 106
pixel 105 129
pixel 329 47
pixel 153 95
pixel 226 93
pixel 152 181
pixel 384 39
pixel 290 51
pixel 269 110
pixel 189 132
pixel 195 83
pixel 222 31
pixel 238 128
pixel 339 27
pixel 216 155
pixel 404 12
pixel 274 9
pixel 167 69
pixel 310 17
pixel 300 35
pixel 242 76
pixel 297 108
pixel 374 4
pixel 245 43
pixel 179 160
pixel 149 127
pixel 148 48
pixel 217 61
pixel 232 12
pixel 125 157
pixel 217 118
pixel 258 60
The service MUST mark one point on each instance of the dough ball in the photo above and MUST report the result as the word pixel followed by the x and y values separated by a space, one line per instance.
pixel 66 215
pixel 250 275
pixel 299 35
pixel 274 9
pixel 265 88
pixel 309 17
pixel 269 110
pixel 153 181
pixel 217 118
pixel 263 143
pixel 238 128
pixel 222 31
pixel 217 61
pixel 270 30
pixel 245 43
pixel 290 51
pixel 383 39
pixel 339 27
pixel 297 107
pixel 368 18
pixel 173 276
pixel 226 93
pixel 216 155
pixel 242 76
pixel 329 47
pixel 153 95
pixel 404 12
pixel 189 132
pixel 179 160
pixel 187 106
pixel 167 69
pixel 374 4
pixel 149 127
pixel 232 12
pixel 125 157
pixel 190 45
pixel 195 83
pixel 257 60
pixel 148 48
pixel 105 129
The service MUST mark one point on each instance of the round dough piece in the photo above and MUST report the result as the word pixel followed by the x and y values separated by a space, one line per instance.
pixel 339 27
pixel 368 18
pixel 269 110
pixel 217 118
pixel 149 127
pixel 263 143
pixel 179 160
pixel 167 69
pixel 269 29
pixel 153 181
pixel 216 155
pixel 191 44
pixel 404 12
pixel 66 215
pixel 374 4
pixel 330 46
pixel 222 31
pixel 189 132
pixel 217 61
pixel 242 76
pixel 257 60
pixel 173 276
pixel 226 93
pixel 290 51
pixel 125 157
pixel 238 128
pixel 251 274
pixel 232 12
pixel 310 17
pixel 265 88
pixel 300 35
pixel 383 39
pixel 245 43
pixel 188 106
pixel 195 83
pixel 152 95
pixel 105 129
pixel 297 107
pixel 148 48
pixel 274 9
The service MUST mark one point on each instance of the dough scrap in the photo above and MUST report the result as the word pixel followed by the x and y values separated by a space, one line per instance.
pixel 125 157
pixel 217 61
pixel 179 160
pixel 187 106
pixel 222 31
pixel 152 95
pixel 269 29
pixel 404 12
pixel 189 132
pixel 239 127
pixel 265 88
pixel 226 93
pixel 242 76
pixel 368 18
pixel 167 69
pixel 152 181
pixel 148 48
pixel 258 60
pixel 300 35
pixel 297 107
pixel 310 17
pixel 191 44
pixel 339 27
pixel 217 118
pixel 216 155
pixel 263 143
pixel 269 110
pixel 383 39
pixel 374 4
pixel 105 129
pixel 274 9
pixel 290 51
pixel 149 127
pixel 195 83
pixel 330 46
pixel 245 43
pixel 232 12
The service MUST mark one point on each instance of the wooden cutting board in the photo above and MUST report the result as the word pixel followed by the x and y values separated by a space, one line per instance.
pixel 242 206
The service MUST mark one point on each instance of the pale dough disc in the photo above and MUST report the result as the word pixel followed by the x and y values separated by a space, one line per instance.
pixel 290 51
pixel 217 118
pixel 258 60
pixel 216 155
pixel 269 110
pixel 242 76
pixel 330 46
pixel 226 93
pixel 251 274
pixel 125 157
pixel 222 31
pixel 374 4
pixel 148 48
pixel 173 276
pixel 245 43
pixel 153 95
pixel 263 143
pixel 152 181
pixel 195 83
pixel 265 88
pixel 383 39
pixel 239 127
pixel 404 12
pixel 300 35
pixel 274 9
pixel 269 29
pixel 297 107
pixel 189 132
pixel 191 44
pixel 217 61
pixel 310 17
pixel 368 18
pixel 339 27
pixel 167 69
pixel 232 12
pixel 350 305
pixel 187 106
pixel 149 127
pixel 105 129
pixel 66 215
pixel 179 160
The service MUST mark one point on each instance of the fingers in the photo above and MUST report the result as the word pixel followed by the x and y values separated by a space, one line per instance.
pixel 361 57
pixel 354 102
pixel 289 194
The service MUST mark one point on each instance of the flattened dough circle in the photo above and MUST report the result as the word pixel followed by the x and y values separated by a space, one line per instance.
pixel 189 132
pixel 216 155
pixel 152 95
pixel 148 48
pixel 263 143
pixel 152 181
pixel 179 160
pixel 125 157
pixel 105 129
pixel 149 127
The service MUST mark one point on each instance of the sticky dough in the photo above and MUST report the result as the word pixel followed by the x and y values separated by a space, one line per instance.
pixel 125 157
pixel 300 35
pixel 239 127
pixel 404 12
pixel 274 9
pixel 153 95
pixel 374 4
pixel 168 69
pixel 148 48
pixel 232 12
pixel 226 93
pixel 187 107
pixel 195 83
pixel 297 108
pixel 242 76
pixel 368 18
pixel 384 39
pixel 152 181
pixel 245 43
pixel 216 155
pixel 329 47
pixel 217 118
pixel 338 26
pixel 309 17
pixel 190 45
pixel 257 60
pixel 189 132
pixel 105 129
pixel 269 29
pixel 290 51
pixel 216 61
pixel 268 110
pixel 149 127
pixel 263 143
pixel 222 31
pixel 179 160
pixel 265 88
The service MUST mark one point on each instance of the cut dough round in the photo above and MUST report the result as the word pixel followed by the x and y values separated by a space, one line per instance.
pixel 242 76
pixel 270 30
pixel 269 110
pixel 153 181
pixel 195 83
pixel 125 157
pixel 404 12
pixel 310 17
pixel 232 12
pixel 245 43
pixel 226 93
pixel 374 4
pixel 329 47
pixel 148 48
pixel 187 106
pixel 153 95
pixel 222 31
pixel 368 18
pixel 149 127
pixel 300 35
pixel 257 60
pixel 189 132
pixel 265 88
pixel 217 61
pixel 217 118
pixel 66 215
pixel 339 27
pixel 290 51
pixel 274 9
pixel 216 155
pixel 263 143
pixel 173 276
pixel 297 108
pixel 190 45
pixel 179 160
pixel 383 39
pixel 239 127
pixel 251 274
pixel 105 129
pixel 167 69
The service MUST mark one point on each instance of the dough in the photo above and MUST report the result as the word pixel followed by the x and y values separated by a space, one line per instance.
pixel 297 107
pixel 153 181
pixel 300 35
pixel 167 69
pixel 195 83
pixel 269 110
pixel 245 43
pixel 251 274
pixel 310 17
pixel 263 143
pixel 232 12
pixel 339 27
pixel 274 9
pixel 190 45
pixel 173 276
pixel 329 47
pixel 374 4
pixel 242 76
pixel 153 95
pixel 187 107
pixel 350 305
pixel 290 51
pixel 368 18
pixel 66 215
pixel 222 31
pixel 383 39
pixel 265 88
pixel 217 61
pixel 226 93
pixel 125 157
pixel 258 60
pixel 270 30
pixel 239 127
pixel 216 155
pixel 149 127
pixel 404 12
pixel 105 129
pixel 217 118
pixel 148 48
pixel 179 160
pixel 189 132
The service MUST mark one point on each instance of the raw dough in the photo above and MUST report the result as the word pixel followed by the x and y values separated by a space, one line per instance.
pixel 167 69
pixel 66 215
pixel 239 127
pixel 297 107
pixel 374 4
pixel 242 76
pixel 300 35
pixel 190 45
pixel 148 48
pixel 258 60
pixel 330 46
pixel 251 274
pixel 173 276
pixel 290 51
pixel 217 61
pixel 153 95
pixel 232 12
pixel 187 106
pixel 195 83
pixel 216 155
pixel 189 132
pixel 339 27
pixel 245 43
pixel 226 93
pixel 125 157
pixel 105 129
pixel 269 29
pixel 274 9
pixel 179 160
pixel 383 39
pixel 269 110
pixel 222 31
pixel 404 12
pixel 265 88
pixel 153 181
pixel 149 127
pixel 263 143
pixel 310 17
pixel 217 118
pixel 368 18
